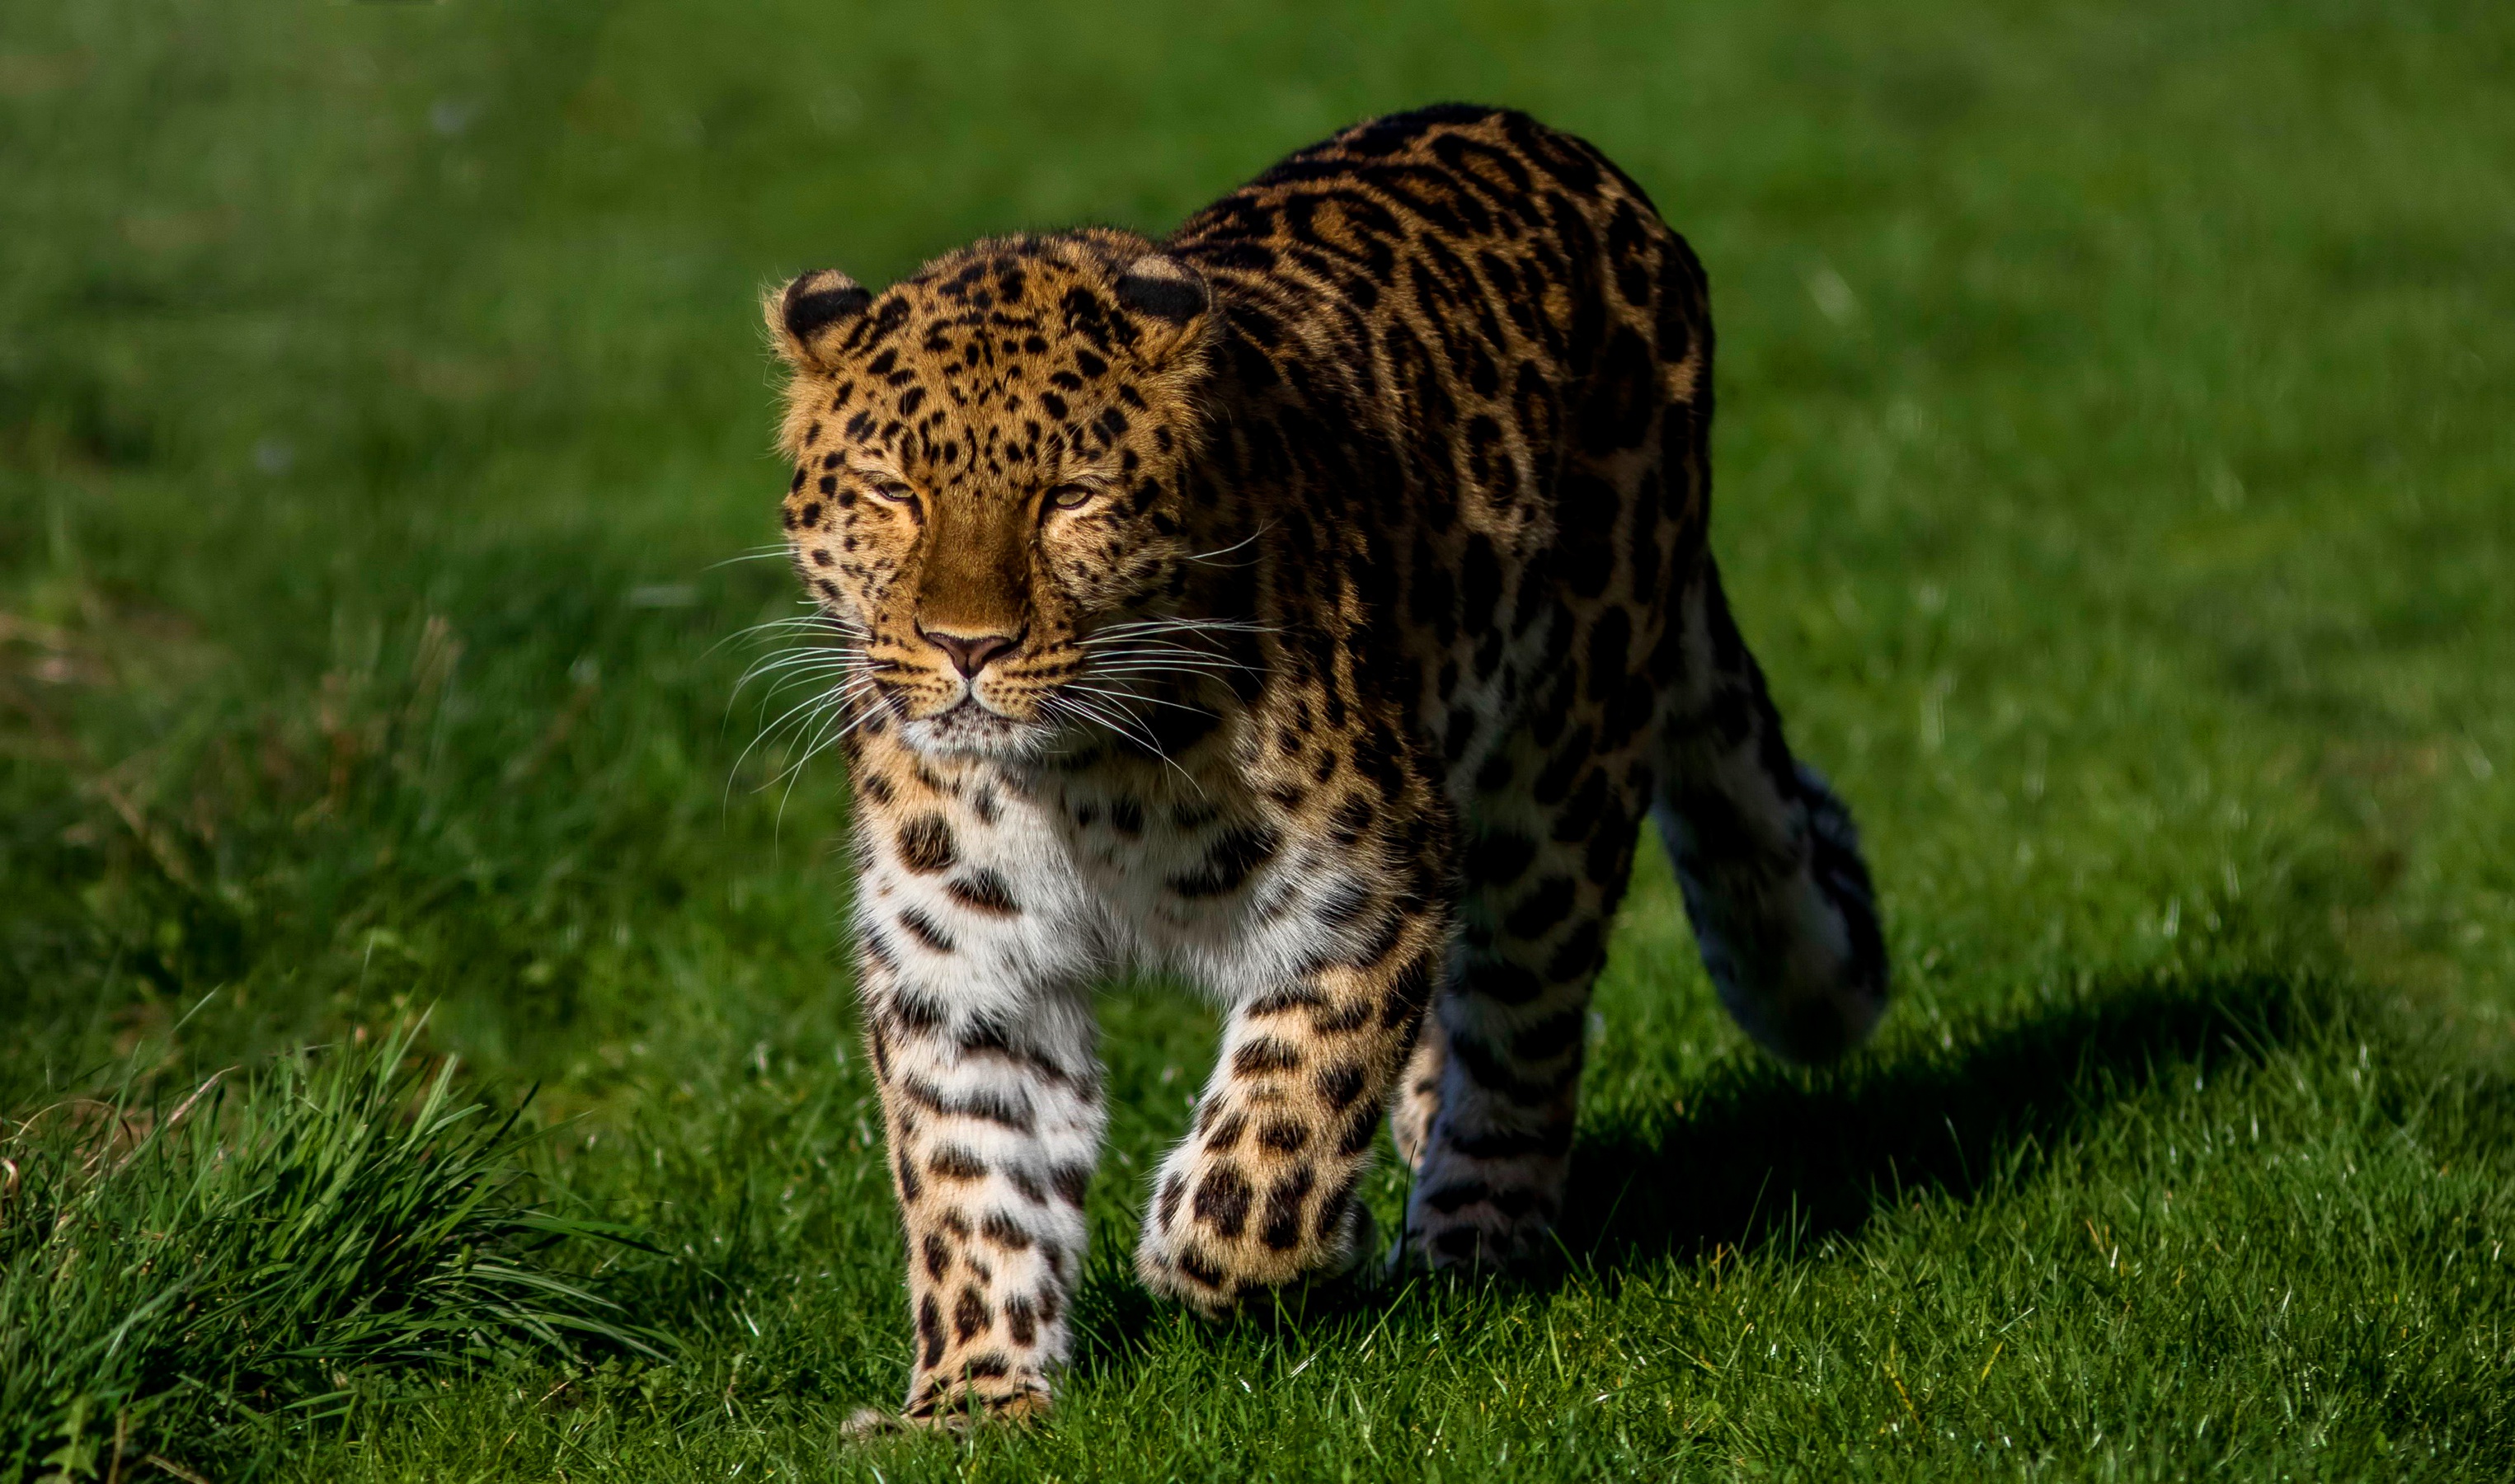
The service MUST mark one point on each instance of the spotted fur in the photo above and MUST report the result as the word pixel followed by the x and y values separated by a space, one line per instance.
pixel 1311 604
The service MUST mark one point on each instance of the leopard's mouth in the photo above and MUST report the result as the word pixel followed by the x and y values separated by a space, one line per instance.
pixel 917 694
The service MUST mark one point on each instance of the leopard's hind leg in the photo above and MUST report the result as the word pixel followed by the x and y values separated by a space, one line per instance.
pixel 1766 854
pixel 1485 1113
pixel 1773 880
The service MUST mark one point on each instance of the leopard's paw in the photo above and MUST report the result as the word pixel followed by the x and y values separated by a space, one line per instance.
pixel 951 1409
pixel 1216 1274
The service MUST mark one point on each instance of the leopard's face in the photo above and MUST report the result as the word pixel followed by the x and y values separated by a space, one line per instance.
pixel 988 469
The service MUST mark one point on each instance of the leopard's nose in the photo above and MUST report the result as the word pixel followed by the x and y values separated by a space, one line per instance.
pixel 969 652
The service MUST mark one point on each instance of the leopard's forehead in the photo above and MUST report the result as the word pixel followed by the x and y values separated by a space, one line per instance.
pixel 1003 358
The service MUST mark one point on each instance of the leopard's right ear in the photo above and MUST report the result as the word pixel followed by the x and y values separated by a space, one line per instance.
pixel 1169 301
pixel 807 316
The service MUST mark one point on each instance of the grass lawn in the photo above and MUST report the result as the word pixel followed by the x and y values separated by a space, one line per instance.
pixel 2114 479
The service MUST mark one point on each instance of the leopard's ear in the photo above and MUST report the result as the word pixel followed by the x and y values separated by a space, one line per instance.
pixel 1169 302
pixel 808 314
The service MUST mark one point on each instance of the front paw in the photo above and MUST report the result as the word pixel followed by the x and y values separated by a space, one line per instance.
pixel 1213 1242
pixel 867 1423
pixel 952 1408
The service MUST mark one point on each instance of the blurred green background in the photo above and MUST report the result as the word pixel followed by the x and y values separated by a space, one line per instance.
pixel 2113 475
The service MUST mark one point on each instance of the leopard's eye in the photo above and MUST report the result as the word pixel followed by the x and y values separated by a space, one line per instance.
pixel 1071 496
pixel 894 492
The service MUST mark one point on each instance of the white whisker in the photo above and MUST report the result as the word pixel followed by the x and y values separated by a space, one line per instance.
pixel 1117 720
pixel 817 619
pixel 1184 660
pixel 1179 625
pixel 1225 550
pixel 756 553
pixel 815 705
pixel 1128 695
pixel 798 662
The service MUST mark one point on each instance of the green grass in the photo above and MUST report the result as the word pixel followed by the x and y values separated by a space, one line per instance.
pixel 2113 476
pixel 213 1272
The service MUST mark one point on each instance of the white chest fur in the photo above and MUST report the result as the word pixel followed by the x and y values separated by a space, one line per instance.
pixel 1014 878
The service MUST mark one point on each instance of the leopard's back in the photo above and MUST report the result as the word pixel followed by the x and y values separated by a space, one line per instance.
pixel 1469 353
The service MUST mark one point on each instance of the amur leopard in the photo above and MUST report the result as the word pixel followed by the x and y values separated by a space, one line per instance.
pixel 1309 605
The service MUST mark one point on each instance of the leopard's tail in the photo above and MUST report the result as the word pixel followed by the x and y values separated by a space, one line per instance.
pixel 1765 851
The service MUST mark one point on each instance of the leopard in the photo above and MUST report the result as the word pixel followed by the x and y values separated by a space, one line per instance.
pixel 1307 606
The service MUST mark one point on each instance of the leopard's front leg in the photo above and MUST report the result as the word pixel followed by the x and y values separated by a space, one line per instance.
pixel 993 1132
pixel 983 1046
pixel 1260 1193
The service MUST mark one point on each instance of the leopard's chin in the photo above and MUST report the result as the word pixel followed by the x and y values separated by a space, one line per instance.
pixel 973 730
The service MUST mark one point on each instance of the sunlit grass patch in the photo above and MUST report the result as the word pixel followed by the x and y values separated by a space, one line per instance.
pixel 177 1277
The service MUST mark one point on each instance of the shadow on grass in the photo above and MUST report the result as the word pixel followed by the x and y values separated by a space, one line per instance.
pixel 1773 1153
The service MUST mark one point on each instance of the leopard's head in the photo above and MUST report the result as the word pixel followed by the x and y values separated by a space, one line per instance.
pixel 988 459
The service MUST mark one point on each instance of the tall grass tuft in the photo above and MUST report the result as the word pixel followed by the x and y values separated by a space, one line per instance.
pixel 173 1279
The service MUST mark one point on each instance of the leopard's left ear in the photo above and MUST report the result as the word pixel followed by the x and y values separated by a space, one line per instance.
pixel 805 316
pixel 1169 303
